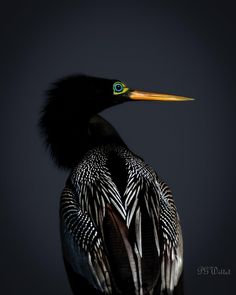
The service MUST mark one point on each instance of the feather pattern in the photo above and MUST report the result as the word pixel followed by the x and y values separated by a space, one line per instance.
pixel 145 214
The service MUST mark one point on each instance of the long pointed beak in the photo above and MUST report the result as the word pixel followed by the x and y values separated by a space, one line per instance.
pixel 143 95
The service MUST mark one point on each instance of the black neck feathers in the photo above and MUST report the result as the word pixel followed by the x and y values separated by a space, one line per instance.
pixel 69 122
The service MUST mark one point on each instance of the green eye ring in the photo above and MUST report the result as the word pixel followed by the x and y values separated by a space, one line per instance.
pixel 119 88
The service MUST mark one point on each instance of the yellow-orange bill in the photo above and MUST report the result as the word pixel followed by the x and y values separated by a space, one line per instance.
pixel 142 95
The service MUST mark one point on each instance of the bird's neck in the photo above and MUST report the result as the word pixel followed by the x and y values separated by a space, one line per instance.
pixel 75 138
pixel 101 132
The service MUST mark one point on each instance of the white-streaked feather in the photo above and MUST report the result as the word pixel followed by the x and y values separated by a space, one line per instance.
pixel 94 188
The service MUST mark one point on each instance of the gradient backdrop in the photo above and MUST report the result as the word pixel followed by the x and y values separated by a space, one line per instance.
pixel 182 47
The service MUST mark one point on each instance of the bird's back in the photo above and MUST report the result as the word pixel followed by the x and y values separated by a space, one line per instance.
pixel 119 225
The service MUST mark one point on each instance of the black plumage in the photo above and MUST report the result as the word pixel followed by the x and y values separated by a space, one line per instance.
pixel 119 226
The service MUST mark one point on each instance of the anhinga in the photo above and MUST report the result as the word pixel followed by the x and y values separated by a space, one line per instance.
pixel 120 229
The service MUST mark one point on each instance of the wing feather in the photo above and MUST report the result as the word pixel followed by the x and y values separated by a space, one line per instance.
pixel 172 253
pixel 82 245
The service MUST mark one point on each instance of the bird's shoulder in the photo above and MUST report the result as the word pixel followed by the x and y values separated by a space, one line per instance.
pixel 97 162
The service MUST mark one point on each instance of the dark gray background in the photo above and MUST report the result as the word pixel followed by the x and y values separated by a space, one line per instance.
pixel 183 47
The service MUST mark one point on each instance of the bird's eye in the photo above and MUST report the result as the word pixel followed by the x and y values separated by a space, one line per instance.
pixel 119 88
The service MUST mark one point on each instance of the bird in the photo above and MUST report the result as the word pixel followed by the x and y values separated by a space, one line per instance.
pixel 120 230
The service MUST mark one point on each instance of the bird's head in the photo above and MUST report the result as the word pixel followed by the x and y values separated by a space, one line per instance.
pixel 71 104
pixel 92 94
